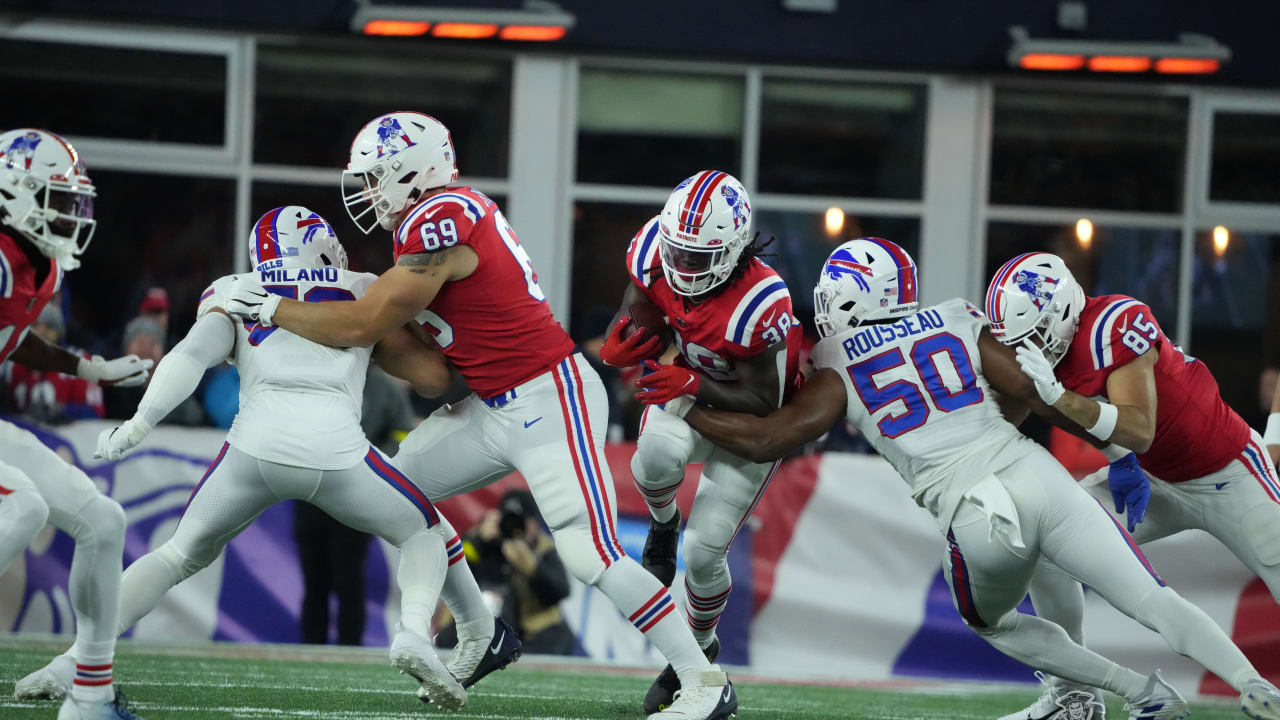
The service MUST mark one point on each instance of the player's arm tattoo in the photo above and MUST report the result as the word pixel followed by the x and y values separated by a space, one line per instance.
pixel 421 263
pixel 758 390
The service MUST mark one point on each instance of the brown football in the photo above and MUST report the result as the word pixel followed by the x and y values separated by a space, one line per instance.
pixel 648 316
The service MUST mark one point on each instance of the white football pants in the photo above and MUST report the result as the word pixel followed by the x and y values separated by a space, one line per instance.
pixel 1062 523
pixel 729 489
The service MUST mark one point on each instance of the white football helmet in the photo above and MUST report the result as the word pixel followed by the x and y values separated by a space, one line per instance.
pixel 863 280
pixel 702 230
pixel 395 158
pixel 297 238
pixel 1034 295
pixel 46 194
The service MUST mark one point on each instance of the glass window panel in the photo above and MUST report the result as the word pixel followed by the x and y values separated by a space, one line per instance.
pixel 842 139
pixel 1120 152
pixel 153 230
pixel 111 92
pixel 657 129
pixel 312 100
pixel 1235 326
pixel 1140 263
pixel 365 253
pixel 1246 158
pixel 601 233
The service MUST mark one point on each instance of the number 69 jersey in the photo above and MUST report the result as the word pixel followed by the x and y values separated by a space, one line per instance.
pixel 300 401
pixel 916 391
pixel 1196 432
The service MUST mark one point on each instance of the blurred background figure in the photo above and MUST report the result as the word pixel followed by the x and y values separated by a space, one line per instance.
pixel 50 396
pixel 332 554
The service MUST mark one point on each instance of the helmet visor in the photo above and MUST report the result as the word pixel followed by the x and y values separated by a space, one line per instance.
pixel 362 197
pixel 690 271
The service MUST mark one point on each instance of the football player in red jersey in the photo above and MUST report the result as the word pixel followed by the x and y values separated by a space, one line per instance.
pixel 46 207
pixel 538 408
pixel 1105 364
pixel 738 344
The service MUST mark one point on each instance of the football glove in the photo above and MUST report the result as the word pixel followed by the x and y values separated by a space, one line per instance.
pixel 1035 366
pixel 641 346
pixel 666 383
pixel 248 300
pixel 1130 489
pixel 114 443
pixel 127 371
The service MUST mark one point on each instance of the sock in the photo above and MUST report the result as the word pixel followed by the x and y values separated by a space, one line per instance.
pixel 146 581
pixel 704 607
pixel 1059 598
pixel 420 575
pixel 22 514
pixel 658 474
pixel 93 682
pixel 98 530
pixel 647 604
pixel 460 592
pixel 1191 632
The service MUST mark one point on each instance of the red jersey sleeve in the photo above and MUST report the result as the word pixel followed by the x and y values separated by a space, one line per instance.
pixel 1124 331
pixel 762 317
pixel 643 263
pixel 438 223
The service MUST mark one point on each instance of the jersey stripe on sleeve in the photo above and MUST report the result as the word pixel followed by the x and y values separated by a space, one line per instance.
pixel 1102 327
pixel 473 210
pixel 646 251
pixel 6 277
pixel 759 298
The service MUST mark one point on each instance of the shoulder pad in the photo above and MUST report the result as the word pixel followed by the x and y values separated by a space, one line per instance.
pixel 751 307
pixel 1118 317
pixel 463 210
pixel 213 295
pixel 642 254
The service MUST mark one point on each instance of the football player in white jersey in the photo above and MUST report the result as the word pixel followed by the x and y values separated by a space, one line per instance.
pixel 921 385
pixel 296 436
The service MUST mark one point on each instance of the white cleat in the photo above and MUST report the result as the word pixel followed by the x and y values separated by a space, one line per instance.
pixel 51 682
pixel 413 654
pixel 1260 700
pixel 116 709
pixel 1159 701
pixel 712 698
pixel 1063 701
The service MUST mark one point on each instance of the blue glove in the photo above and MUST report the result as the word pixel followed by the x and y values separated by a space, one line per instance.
pixel 1130 489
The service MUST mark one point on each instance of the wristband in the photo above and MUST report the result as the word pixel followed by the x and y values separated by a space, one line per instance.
pixel 1272 434
pixel 1107 416
pixel 1114 452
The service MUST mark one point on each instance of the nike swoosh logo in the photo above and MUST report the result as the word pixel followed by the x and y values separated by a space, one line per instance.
pixel 725 698
pixel 1219 486
pixel 427 216
pixel 498 645
pixel 532 422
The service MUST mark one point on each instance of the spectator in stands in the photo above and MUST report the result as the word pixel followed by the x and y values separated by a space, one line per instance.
pixel 51 396
pixel 332 554
pixel 145 338
pixel 155 305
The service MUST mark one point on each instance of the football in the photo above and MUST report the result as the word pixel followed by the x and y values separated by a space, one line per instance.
pixel 648 316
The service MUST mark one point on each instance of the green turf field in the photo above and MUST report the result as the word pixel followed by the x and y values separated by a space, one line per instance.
pixel 262 682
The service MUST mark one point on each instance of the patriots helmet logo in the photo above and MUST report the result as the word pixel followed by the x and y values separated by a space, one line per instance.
pixel 737 203
pixel 391 137
pixel 843 264
pixel 21 150
pixel 1038 287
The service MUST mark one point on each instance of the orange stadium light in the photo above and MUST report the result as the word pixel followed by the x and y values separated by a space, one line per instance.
pixel 532 33
pixel 1187 66
pixel 1051 61
pixel 466 31
pixel 1119 63
pixel 396 27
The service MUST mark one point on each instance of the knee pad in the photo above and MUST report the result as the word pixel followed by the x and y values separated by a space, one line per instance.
pixel 703 562
pixel 30 511
pixel 101 520
pixel 658 461
pixel 577 549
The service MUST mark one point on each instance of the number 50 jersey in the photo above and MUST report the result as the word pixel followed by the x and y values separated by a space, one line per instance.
pixel 300 401
pixel 916 391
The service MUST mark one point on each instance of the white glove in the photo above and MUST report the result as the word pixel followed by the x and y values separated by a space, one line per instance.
pixel 248 300
pixel 127 371
pixel 114 443
pixel 680 406
pixel 1036 367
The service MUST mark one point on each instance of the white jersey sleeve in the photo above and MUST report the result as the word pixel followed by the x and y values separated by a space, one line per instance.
pixel 214 295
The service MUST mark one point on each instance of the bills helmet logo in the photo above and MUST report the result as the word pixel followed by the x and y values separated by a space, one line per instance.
pixel 1078 705
pixel 391 137
pixel 842 264
pixel 21 150
pixel 314 224
pixel 1037 287
pixel 737 203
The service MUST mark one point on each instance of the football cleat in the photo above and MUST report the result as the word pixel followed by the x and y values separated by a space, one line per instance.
pixel 1063 701
pixel 51 682
pixel 1260 700
pixel 663 690
pixel 117 709
pixel 713 698
pixel 1159 701
pixel 484 645
pixel 413 655
pixel 659 556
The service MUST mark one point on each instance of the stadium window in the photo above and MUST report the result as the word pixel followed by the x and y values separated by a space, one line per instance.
pixel 1235 314
pixel 842 139
pixel 1246 158
pixel 601 234
pixel 311 100
pixel 1094 150
pixel 114 92
pixel 639 128
pixel 1141 263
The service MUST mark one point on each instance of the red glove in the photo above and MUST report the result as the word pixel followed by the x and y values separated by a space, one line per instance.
pixel 624 353
pixel 666 383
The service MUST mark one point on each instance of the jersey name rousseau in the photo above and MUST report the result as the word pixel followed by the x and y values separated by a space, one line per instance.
pixel 495 325
pixel 738 322
pixel 20 300
pixel 1196 432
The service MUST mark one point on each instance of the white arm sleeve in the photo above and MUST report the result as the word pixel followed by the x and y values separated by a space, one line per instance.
pixel 208 343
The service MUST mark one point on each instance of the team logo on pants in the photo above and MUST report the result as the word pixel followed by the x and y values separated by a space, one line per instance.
pixel 1077 705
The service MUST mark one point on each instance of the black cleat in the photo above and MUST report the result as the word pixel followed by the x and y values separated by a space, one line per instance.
pixel 501 650
pixel 663 690
pixel 659 556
